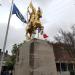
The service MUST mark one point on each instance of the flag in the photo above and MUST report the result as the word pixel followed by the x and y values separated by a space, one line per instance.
pixel 45 36
pixel 16 11
pixel 39 30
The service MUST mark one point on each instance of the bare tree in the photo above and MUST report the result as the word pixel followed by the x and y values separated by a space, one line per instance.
pixel 67 38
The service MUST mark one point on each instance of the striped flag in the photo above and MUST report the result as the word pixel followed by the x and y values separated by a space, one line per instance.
pixel 18 14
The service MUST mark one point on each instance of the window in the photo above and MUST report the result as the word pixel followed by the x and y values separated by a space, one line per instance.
pixel 58 66
pixel 63 66
pixel 70 67
pixel 72 73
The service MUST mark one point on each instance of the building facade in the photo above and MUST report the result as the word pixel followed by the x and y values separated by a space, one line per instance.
pixel 65 60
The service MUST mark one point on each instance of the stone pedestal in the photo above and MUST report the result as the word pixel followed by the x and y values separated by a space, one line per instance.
pixel 36 57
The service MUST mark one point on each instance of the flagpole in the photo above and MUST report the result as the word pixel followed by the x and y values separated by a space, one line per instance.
pixel 5 40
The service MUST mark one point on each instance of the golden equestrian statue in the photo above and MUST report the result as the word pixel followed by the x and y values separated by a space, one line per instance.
pixel 34 22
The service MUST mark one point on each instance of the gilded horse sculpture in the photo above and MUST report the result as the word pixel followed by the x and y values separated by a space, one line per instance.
pixel 34 21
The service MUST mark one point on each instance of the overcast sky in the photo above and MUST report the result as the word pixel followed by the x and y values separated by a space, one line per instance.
pixel 56 14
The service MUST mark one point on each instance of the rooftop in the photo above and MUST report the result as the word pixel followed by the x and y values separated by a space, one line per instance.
pixel 63 55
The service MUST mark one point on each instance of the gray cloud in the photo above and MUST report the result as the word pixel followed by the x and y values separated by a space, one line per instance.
pixel 14 36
